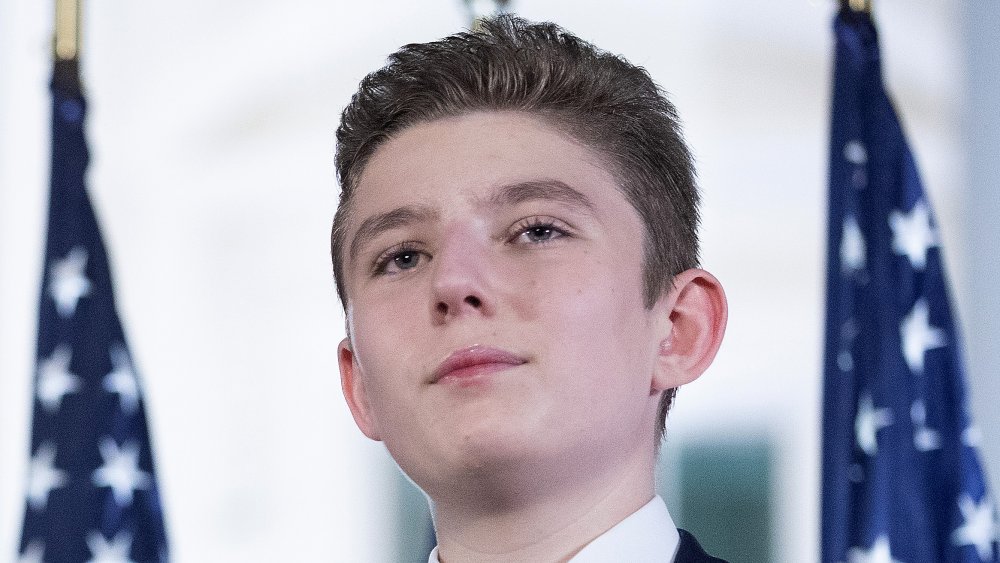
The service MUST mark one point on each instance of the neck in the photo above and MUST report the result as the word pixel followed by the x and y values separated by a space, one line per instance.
pixel 549 517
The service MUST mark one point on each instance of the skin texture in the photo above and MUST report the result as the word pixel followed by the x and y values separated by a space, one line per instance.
pixel 516 239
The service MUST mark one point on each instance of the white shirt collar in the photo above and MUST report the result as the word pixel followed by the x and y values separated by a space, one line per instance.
pixel 646 535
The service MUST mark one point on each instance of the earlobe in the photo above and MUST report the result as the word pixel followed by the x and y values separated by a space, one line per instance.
pixel 352 384
pixel 697 310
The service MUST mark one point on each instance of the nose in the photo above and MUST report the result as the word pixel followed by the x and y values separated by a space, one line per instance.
pixel 462 283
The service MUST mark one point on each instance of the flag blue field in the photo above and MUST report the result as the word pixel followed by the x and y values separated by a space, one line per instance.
pixel 902 479
pixel 92 491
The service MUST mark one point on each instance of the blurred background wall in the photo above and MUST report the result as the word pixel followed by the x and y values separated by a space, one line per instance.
pixel 211 129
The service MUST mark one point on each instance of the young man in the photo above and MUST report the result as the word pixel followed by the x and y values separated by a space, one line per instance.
pixel 515 249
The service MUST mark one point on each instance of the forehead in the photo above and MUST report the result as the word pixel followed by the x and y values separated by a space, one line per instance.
pixel 465 157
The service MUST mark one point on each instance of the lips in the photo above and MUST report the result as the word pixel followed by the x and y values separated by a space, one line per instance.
pixel 468 363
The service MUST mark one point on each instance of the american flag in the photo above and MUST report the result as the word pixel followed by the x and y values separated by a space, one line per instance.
pixel 901 475
pixel 92 492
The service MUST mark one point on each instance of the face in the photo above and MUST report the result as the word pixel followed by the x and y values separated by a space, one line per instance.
pixel 495 303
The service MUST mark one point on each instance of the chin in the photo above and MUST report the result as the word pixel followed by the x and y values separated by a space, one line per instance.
pixel 479 457
pixel 492 442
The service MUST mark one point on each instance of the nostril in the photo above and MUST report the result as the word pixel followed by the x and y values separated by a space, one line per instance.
pixel 446 308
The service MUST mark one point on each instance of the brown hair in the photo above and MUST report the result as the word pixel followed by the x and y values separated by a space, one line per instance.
pixel 509 64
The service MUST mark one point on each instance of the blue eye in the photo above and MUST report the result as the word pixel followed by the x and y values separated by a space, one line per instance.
pixel 538 230
pixel 540 233
pixel 398 259
pixel 406 260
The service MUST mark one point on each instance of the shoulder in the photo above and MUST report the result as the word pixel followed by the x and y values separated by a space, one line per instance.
pixel 690 551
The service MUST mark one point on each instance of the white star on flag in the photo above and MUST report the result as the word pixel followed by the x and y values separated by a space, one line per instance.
pixel 879 552
pixel 979 528
pixel 120 470
pixel 912 234
pixel 69 283
pixel 43 476
pixel 868 422
pixel 919 336
pixel 855 152
pixel 972 436
pixel 55 380
pixel 122 380
pixel 925 439
pixel 848 332
pixel 114 551
pixel 33 553
pixel 852 246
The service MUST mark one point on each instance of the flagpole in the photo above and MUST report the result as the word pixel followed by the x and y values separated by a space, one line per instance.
pixel 66 45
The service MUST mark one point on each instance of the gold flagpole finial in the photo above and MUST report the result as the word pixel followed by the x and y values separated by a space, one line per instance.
pixel 66 44
pixel 482 9
pixel 859 5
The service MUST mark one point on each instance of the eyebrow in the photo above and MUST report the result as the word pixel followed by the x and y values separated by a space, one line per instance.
pixel 382 222
pixel 552 190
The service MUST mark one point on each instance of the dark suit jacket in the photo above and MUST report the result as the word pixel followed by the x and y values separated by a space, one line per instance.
pixel 690 551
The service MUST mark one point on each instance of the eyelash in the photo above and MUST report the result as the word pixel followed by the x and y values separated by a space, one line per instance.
pixel 538 222
pixel 519 229
pixel 393 252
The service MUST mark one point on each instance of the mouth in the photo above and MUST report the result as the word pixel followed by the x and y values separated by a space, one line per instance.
pixel 468 363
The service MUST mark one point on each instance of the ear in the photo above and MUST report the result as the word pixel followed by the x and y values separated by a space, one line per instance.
pixel 352 384
pixel 697 312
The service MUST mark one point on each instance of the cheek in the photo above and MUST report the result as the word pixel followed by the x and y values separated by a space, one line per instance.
pixel 583 287
pixel 549 290
pixel 384 338
pixel 607 317
pixel 595 309
pixel 389 308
